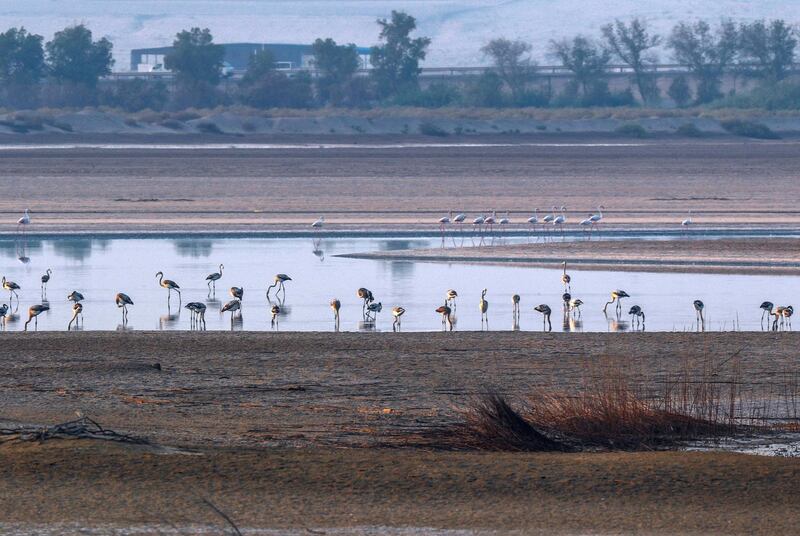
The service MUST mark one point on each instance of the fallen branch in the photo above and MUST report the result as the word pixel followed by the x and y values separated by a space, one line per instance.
pixel 82 428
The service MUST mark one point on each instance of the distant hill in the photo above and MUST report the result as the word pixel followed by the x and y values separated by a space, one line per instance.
pixel 458 27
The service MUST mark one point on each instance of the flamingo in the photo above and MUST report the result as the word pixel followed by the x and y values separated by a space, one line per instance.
pixel 213 278
pixel 545 310
pixel 24 221
pixel 575 306
pixel 560 220
pixel 275 310
pixel 374 309
pixel 504 220
pixel 45 279
pixel 3 313
pixel 232 306
pixel 77 309
pixel 616 296
pixel 478 222
pixel 491 220
pixel 75 297
pixel 278 281
pixel 450 298
pixel 445 311
pixel 336 305
pixel 444 220
pixel 787 313
pixel 237 293
pixel 766 308
pixel 397 312
pixel 459 218
pixel 123 301
pixel 169 285
pixel 565 278
pixel 533 220
pixel 597 218
pixel 566 298
pixel 12 289
pixel 318 223
pixel 515 305
pixel 198 311
pixel 688 221
pixel 366 295
pixel 698 309
pixel 483 306
pixel 637 313
pixel 33 314
pixel 550 217
pixel 586 223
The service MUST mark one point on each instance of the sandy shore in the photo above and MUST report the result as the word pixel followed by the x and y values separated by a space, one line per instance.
pixel 723 255
pixel 382 182
pixel 233 403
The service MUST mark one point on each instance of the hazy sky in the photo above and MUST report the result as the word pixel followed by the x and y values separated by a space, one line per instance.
pixel 458 28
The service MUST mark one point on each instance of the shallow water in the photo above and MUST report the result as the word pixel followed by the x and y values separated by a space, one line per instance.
pixel 99 268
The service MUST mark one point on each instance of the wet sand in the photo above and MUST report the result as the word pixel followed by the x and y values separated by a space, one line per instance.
pixel 681 254
pixel 654 182
pixel 234 404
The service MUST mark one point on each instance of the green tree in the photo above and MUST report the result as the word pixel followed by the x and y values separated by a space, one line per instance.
pixel 679 91
pixel 336 66
pixel 511 63
pixel 587 61
pixel 21 66
pixel 633 44
pixel 137 94
pixel 487 91
pixel 195 59
pixel 707 53
pixel 767 49
pixel 264 87
pixel 395 62
pixel 73 57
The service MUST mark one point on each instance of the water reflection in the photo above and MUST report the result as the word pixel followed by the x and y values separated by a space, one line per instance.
pixel 194 248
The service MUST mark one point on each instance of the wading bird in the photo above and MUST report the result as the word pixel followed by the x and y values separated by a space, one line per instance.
pixel 275 310
pixel 504 220
pixel 373 309
pixel 33 314
pixel 560 220
pixel 565 278
pixel 123 301
pixel 575 306
pixel 75 297
pixel 688 221
pixel 766 309
pixel 45 279
pixel 278 281
pixel 232 306
pixel 444 220
pixel 237 293
pixel 545 310
pixel 169 285
pixel 483 306
pixel 478 222
pixel 77 309
pixel 459 218
pixel 24 221
pixel 12 289
pixel 550 217
pixel 637 314
pixel 336 305
pixel 597 218
pixel 787 315
pixel 616 296
pixel 397 312
pixel 213 278
pixel 318 223
pixel 198 314
pixel 450 298
pixel 566 298
pixel 533 220
pixel 784 315
pixel 489 221
pixel 698 310
pixel 3 312
pixel 366 295
pixel 445 311
pixel 515 305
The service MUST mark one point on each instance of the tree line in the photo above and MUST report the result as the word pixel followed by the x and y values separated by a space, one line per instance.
pixel 73 63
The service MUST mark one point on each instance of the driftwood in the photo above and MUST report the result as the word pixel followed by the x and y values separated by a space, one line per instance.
pixel 81 428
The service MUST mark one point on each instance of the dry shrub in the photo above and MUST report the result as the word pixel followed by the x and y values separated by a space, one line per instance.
pixel 490 423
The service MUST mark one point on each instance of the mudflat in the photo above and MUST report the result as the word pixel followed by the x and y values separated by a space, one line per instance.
pixel 258 422
pixel 387 181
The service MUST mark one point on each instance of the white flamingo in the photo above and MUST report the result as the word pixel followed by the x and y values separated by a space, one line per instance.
pixel 24 221
pixel 318 223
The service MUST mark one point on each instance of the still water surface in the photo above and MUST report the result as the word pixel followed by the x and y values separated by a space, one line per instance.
pixel 99 268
